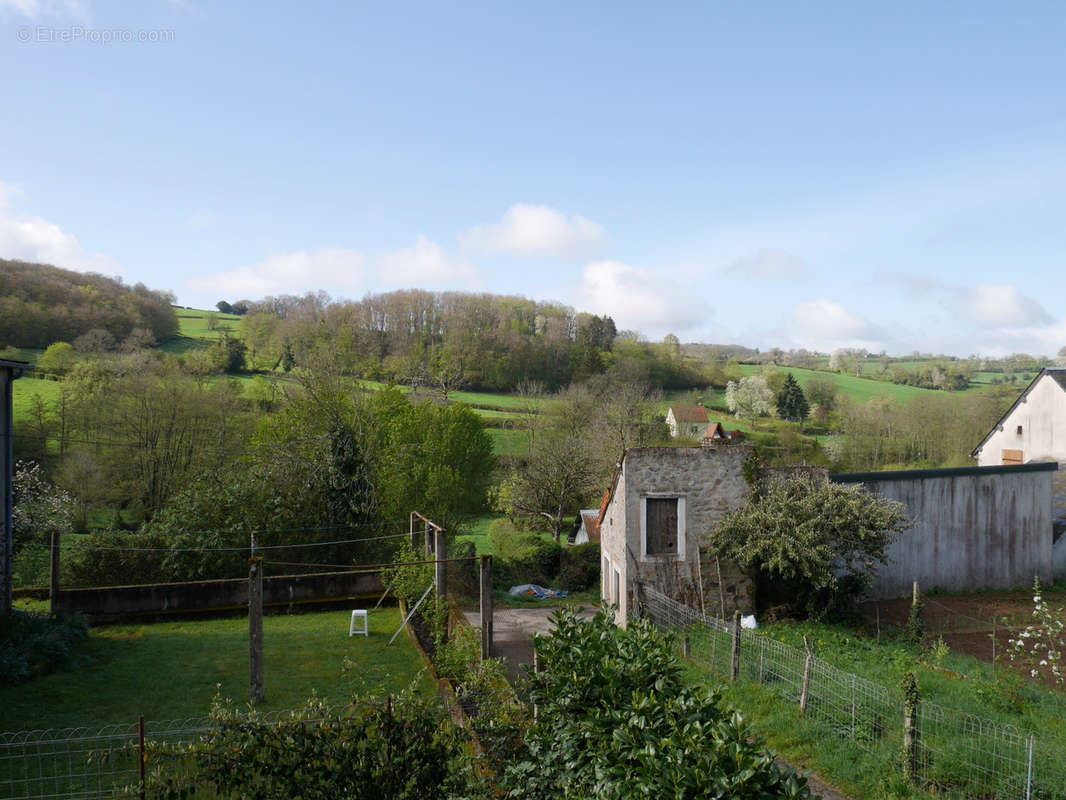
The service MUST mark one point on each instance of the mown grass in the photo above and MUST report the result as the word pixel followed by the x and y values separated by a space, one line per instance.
pixel 173 670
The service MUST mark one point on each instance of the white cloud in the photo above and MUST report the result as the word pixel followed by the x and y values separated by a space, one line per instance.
pixel 426 265
pixel 640 299
pixel 31 238
pixel 533 230
pixel 291 273
pixel 826 324
pixel 36 9
pixel 342 271
pixel 1000 305
pixel 770 265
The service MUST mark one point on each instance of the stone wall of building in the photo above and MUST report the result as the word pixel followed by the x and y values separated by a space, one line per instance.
pixel 711 481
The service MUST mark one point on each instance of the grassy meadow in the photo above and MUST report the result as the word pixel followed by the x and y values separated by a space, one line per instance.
pixel 172 670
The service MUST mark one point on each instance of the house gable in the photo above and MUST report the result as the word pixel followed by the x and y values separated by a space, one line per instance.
pixel 1004 445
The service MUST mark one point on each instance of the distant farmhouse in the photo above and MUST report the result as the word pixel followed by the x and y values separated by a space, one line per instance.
pixel 586 527
pixel 1034 430
pixel 688 421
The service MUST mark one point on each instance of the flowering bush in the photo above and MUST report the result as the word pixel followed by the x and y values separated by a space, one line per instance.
pixel 1041 644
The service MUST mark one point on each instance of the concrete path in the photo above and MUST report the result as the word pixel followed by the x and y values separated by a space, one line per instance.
pixel 512 633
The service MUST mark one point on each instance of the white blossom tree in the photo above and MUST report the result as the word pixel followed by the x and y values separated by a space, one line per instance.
pixel 749 398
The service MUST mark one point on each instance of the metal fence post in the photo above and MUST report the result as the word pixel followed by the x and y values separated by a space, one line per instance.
pixel 486 607
pixel 1029 771
pixel 808 665
pixel 734 662
pixel 854 686
pixel 53 585
pixel 762 646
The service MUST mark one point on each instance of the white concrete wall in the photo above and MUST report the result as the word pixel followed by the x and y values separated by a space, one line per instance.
pixel 1042 416
pixel 973 529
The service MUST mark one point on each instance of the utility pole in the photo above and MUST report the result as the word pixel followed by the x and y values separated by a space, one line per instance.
pixel 256 687
pixel 9 372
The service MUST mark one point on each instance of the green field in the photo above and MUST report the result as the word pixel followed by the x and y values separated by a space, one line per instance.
pixel 26 388
pixel 858 389
pixel 171 670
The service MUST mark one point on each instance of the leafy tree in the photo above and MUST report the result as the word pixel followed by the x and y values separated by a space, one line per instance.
pixel 616 721
pixel 749 398
pixel 814 545
pixel 791 404
pixel 57 359
pixel 822 392
pixel 224 307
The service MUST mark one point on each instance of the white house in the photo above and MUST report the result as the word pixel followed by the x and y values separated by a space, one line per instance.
pixel 688 421
pixel 1034 429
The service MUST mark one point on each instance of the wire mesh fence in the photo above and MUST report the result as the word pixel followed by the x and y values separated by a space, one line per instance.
pixel 956 754
pixel 87 764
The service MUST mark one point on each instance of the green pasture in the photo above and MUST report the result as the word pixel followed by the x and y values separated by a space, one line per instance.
pixel 509 441
pixel 26 388
pixel 858 389
pixel 173 670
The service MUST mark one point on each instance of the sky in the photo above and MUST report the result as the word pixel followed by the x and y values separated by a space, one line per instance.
pixel 889 176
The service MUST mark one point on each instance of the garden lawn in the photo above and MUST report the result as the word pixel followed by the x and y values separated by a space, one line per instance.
pixel 171 670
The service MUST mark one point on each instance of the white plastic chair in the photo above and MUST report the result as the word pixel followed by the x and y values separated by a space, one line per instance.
pixel 359 614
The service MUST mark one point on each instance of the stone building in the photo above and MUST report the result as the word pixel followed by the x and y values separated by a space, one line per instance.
pixel 688 421
pixel 657 518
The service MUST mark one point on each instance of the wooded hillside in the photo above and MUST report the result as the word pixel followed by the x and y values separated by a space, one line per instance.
pixel 41 304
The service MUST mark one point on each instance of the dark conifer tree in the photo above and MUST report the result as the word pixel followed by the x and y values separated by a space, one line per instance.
pixel 791 402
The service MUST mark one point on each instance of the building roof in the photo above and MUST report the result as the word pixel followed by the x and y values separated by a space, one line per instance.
pixel 1057 374
pixel 690 414
pixel 17 367
pixel 591 518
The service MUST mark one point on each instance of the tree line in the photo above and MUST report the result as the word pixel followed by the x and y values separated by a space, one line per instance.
pixel 485 342
pixel 42 304
pixel 196 465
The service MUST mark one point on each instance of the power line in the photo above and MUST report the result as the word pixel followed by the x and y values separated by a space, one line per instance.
pixel 241 549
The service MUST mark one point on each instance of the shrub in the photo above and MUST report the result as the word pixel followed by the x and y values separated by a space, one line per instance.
pixel 814 545
pixel 34 644
pixel 616 721
pixel 579 567
pixel 406 747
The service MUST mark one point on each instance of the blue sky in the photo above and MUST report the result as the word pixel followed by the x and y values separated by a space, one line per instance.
pixel 801 175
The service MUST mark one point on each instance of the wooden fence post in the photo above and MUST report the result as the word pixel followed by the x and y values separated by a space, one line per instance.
pixel 734 661
pixel 686 646
pixel 440 553
pixel 486 607
pixel 256 684
pixel 808 666
pixel 911 702
pixel 53 587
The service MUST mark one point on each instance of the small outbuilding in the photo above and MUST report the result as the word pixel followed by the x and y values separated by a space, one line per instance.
pixel 687 421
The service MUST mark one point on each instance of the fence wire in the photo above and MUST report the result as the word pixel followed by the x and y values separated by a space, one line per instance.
pixel 90 764
pixel 958 755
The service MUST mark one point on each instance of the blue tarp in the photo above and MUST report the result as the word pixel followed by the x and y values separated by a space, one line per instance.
pixel 532 590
